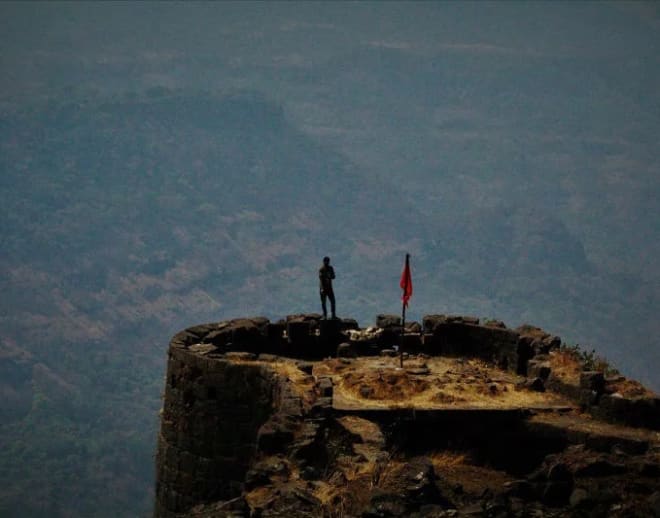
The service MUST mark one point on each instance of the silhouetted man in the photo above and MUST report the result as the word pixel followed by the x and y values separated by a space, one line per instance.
pixel 326 274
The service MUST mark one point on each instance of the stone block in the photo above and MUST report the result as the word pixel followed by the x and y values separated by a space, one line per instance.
pixel 534 384
pixel 184 338
pixel 592 380
pixel 349 323
pixel 201 330
pixel 468 320
pixel 274 341
pixel 432 344
pixel 312 319
pixel 612 408
pixel 219 337
pixel 430 322
pixel 411 342
pixel 413 327
pixel 389 337
pixel 330 335
pixel 298 332
pixel 386 321
pixel 556 384
pixel 248 335
pixel 539 369
pixel 588 398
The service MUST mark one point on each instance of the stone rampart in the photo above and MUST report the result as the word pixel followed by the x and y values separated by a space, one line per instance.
pixel 221 407
pixel 212 412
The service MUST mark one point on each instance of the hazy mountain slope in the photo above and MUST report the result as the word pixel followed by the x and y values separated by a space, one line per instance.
pixel 175 208
pixel 165 210
pixel 511 148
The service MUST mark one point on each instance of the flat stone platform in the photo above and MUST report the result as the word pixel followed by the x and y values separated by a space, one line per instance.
pixel 431 384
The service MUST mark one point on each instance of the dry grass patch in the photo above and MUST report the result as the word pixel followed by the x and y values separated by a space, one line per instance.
pixel 630 388
pixel 565 365
pixel 385 384
pixel 458 468
pixel 451 383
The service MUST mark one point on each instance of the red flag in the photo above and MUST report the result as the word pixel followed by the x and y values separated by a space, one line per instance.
pixel 406 282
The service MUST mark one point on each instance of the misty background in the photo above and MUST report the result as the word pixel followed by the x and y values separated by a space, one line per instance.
pixel 168 164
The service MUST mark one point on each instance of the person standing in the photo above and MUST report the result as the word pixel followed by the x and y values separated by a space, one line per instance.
pixel 326 275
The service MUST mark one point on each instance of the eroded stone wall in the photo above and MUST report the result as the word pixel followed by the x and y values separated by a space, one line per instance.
pixel 212 412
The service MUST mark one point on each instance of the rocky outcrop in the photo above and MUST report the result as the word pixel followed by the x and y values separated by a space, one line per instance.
pixel 250 426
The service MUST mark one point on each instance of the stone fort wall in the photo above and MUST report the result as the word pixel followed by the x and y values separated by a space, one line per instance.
pixel 217 400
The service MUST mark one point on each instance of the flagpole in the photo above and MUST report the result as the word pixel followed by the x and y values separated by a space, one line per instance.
pixel 403 331
pixel 403 311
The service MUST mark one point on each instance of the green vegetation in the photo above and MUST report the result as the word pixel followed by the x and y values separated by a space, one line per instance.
pixel 589 359
pixel 88 452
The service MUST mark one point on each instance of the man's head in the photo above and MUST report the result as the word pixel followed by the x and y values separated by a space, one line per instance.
pixel 326 260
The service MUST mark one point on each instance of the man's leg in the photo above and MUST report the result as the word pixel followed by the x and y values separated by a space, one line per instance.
pixel 331 296
pixel 325 310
